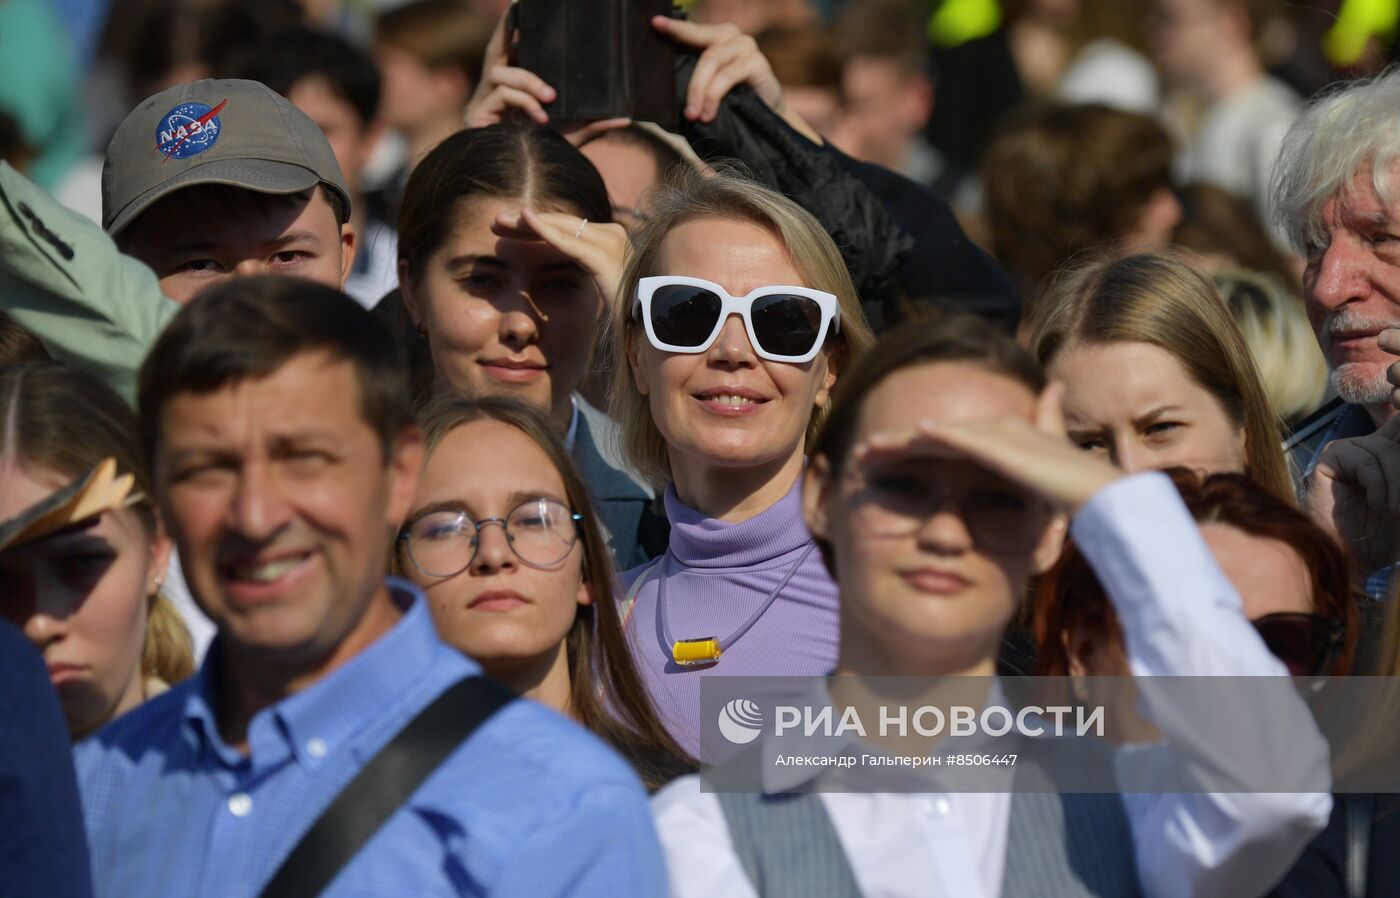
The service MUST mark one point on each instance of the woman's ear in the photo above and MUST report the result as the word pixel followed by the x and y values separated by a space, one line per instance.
pixel 816 487
pixel 634 361
pixel 1052 543
pixel 831 366
pixel 161 548
pixel 585 596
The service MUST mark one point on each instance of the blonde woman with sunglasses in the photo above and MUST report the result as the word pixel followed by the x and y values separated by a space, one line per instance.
pixel 734 318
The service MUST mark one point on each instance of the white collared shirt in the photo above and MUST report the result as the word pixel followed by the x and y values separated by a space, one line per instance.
pixel 1180 616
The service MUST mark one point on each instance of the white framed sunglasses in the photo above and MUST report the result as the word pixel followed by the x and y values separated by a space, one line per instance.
pixel 784 324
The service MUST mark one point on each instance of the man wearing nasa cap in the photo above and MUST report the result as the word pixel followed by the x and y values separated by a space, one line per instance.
pixel 203 181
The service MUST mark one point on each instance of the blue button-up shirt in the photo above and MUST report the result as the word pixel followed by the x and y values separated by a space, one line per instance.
pixel 531 805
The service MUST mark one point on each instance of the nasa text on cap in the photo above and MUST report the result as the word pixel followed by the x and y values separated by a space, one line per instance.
pixel 239 133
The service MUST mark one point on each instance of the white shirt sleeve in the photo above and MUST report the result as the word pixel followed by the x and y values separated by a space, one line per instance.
pixel 1182 617
pixel 700 858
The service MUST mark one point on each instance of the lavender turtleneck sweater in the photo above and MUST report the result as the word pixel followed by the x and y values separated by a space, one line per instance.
pixel 720 573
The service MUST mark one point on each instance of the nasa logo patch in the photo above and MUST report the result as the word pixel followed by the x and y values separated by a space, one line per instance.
pixel 188 130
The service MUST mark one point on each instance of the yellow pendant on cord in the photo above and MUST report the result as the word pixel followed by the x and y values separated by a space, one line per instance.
pixel 696 651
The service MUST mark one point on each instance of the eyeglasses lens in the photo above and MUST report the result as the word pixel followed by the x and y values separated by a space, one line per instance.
pixel 786 325
pixel 682 315
pixel 1306 643
pixel 540 532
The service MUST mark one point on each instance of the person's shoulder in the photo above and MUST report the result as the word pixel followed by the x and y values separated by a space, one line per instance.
pixel 543 753
pixel 1316 425
pixel 596 450
pixel 149 727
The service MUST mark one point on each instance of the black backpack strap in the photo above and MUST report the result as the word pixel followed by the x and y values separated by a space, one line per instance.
pixel 383 785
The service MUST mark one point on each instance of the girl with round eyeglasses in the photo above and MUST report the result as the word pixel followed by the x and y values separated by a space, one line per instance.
pixel 503 543
pixel 734 318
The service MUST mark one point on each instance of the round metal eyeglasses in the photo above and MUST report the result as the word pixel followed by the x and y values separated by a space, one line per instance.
pixel 541 532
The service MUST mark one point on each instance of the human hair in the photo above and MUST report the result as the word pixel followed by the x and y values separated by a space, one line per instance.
pixel 1353 128
pixel 1063 179
pixel 668 159
pixel 1280 338
pixel 891 30
pixel 437 33
pixel 1216 222
pixel 510 160
pixel 723 195
pixel 289 57
pixel 1070 601
pixel 1161 300
pixel 65 421
pixel 18 344
pixel 803 57
pixel 945 337
pixel 606 693
pixel 247 328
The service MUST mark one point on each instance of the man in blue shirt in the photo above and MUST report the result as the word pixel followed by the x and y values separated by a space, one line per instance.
pixel 275 415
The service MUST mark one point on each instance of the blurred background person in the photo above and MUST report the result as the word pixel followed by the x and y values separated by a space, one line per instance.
pixel 1225 231
pixel 1060 180
pixel 337 85
pixel 808 64
pixel 430 54
pixel 89 599
pixel 633 160
pixel 887 90
pixel 1208 51
pixel 1280 339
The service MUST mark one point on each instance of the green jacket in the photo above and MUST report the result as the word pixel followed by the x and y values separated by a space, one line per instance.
pixel 62 277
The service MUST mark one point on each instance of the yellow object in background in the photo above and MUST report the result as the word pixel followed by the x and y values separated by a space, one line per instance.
pixel 959 21
pixel 1357 22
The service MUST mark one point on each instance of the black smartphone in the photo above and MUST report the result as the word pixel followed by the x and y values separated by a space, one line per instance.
pixel 603 57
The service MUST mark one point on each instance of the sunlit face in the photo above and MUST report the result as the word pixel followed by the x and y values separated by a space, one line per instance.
pixel 498 610
pixel 946 580
pixel 505 316
pixel 726 407
pixel 1269 575
pixel 199 236
pixel 629 173
pixel 1136 404
pixel 279 497
pixel 1351 284
pixel 351 139
pixel 81 598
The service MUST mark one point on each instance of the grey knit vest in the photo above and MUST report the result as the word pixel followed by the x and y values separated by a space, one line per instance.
pixel 1067 845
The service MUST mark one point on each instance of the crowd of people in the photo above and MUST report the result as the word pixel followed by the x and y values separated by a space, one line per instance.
pixel 386 465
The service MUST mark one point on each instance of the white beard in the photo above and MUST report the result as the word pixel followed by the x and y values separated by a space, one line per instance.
pixel 1362 383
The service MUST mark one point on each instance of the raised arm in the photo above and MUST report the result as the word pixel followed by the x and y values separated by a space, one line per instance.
pixel 62 277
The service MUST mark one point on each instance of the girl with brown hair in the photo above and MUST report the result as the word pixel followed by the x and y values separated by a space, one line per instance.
pixel 503 542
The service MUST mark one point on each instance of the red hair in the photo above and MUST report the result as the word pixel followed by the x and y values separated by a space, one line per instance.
pixel 1070 600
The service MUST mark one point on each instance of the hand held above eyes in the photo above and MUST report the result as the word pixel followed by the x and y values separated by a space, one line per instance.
pixel 596 246
pixel 1036 457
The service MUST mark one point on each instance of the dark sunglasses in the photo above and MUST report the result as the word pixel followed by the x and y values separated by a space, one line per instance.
pixel 1309 644
pixel 784 324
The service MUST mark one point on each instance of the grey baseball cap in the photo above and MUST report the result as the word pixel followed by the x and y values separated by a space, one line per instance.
pixel 240 133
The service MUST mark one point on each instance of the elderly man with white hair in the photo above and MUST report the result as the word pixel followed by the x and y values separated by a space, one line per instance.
pixel 1337 196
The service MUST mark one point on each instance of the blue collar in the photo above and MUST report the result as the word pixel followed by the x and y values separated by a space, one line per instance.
pixel 314 722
